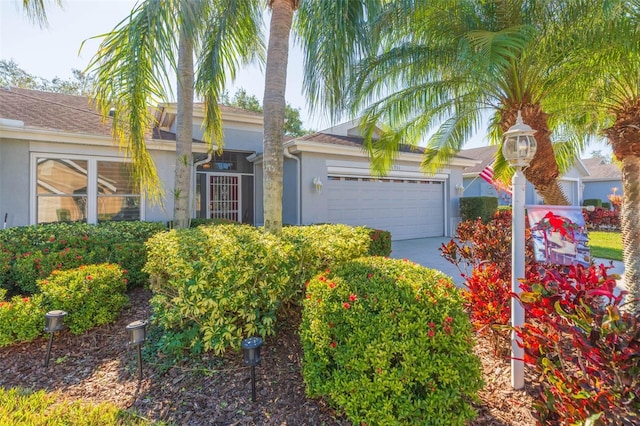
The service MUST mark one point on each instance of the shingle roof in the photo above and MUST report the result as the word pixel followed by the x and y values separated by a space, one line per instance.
pixel 485 154
pixel 355 141
pixel 600 170
pixel 53 111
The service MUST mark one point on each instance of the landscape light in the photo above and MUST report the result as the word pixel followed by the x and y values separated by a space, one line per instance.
pixel 251 352
pixel 137 335
pixel 54 321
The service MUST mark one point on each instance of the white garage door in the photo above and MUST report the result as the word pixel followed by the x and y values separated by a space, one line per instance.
pixel 408 208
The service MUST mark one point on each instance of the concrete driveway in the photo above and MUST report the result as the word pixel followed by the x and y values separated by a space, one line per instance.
pixel 424 251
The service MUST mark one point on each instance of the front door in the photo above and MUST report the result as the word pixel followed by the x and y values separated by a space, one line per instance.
pixel 224 200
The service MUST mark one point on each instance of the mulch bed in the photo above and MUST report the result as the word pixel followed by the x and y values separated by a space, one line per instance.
pixel 99 366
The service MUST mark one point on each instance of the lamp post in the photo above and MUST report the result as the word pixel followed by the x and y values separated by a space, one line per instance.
pixel 518 149
pixel 251 353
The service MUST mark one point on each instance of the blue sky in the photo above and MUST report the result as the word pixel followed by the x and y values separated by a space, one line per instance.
pixel 54 51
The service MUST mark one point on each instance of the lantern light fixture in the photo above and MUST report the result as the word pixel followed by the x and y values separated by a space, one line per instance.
pixel 519 146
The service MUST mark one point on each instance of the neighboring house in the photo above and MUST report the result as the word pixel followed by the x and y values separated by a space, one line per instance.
pixel 474 186
pixel 58 162
pixel 603 177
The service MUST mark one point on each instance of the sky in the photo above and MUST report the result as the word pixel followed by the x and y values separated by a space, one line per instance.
pixel 55 50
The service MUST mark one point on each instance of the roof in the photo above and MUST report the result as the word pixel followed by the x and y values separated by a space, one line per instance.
pixel 485 155
pixel 53 111
pixel 354 141
pixel 599 170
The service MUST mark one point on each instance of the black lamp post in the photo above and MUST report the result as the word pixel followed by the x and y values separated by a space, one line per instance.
pixel 251 352
pixel 137 335
pixel 54 321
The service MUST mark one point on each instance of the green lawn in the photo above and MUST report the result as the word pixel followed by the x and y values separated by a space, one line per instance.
pixel 607 245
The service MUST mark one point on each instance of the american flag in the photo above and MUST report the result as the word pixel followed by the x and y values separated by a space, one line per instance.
pixel 487 174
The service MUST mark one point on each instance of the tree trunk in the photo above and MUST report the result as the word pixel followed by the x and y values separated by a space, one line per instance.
pixel 543 171
pixel 274 109
pixel 624 138
pixel 184 134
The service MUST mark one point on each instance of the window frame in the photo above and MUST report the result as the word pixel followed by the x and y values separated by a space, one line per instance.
pixel 92 182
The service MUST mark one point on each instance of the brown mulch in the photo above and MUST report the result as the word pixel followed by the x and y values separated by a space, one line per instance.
pixel 99 366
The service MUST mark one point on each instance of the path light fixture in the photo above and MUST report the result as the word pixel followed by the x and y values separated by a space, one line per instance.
pixel 518 148
pixel 251 352
pixel 54 321
pixel 137 331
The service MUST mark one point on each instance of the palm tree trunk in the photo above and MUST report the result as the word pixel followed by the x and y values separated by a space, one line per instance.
pixel 184 133
pixel 543 172
pixel 630 227
pixel 274 110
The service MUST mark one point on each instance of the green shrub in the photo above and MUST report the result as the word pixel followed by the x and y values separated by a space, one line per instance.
pixel 33 266
pixel 388 342
pixel 214 286
pixel 209 222
pixel 92 295
pixel 380 244
pixel 472 208
pixel 131 257
pixel 320 247
pixel 606 206
pixel 597 202
pixel 21 319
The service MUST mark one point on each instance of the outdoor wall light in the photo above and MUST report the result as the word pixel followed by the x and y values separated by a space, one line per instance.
pixel 137 335
pixel 251 352
pixel 519 146
pixel 460 189
pixel 54 321
pixel 317 184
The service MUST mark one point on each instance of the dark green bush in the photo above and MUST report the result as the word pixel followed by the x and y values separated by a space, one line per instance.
pixel 215 285
pixel 33 266
pixel 606 206
pixel 131 257
pixel 388 342
pixel 91 295
pixel 472 208
pixel 597 202
pixel 380 244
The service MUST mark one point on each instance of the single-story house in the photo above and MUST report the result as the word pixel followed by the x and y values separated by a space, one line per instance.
pixel 475 186
pixel 602 179
pixel 58 162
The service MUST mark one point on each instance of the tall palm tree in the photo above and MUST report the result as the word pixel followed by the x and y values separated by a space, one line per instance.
pixel 445 64
pixel 333 38
pixel 36 10
pixel 133 67
pixel 608 91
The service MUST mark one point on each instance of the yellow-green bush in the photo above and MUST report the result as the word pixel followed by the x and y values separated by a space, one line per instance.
pixel 92 295
pixel 21 319
pixel 320 247
pixel 388 342
pixel 214 286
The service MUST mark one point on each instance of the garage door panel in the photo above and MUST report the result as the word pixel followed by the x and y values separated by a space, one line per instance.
pixel 406 209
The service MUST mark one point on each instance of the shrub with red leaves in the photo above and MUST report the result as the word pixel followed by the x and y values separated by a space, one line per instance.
pixel 601 218
pixel 584 346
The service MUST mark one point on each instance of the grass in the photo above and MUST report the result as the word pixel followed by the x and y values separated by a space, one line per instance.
pixel 606 245
pixel 20 406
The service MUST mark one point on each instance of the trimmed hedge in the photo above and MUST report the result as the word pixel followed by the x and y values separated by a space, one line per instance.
pixel 472 208
pixel 388 342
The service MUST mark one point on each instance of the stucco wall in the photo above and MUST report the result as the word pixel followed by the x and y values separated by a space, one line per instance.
pixel 14 182
pixel 601 189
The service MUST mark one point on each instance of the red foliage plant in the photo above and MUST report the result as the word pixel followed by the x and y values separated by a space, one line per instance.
pixel 584 346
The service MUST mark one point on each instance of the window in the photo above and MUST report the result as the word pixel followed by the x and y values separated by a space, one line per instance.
pixel 72 188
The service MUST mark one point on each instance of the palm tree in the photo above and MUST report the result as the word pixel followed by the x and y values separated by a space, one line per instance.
pixel 133 67
pixel 609 91
pixel 333 38
pixel 446 64
pixel 36 10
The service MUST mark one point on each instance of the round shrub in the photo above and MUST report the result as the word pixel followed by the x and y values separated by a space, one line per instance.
pixel 387 341
pixel 21 319
pixel 215 285
pixel 92 295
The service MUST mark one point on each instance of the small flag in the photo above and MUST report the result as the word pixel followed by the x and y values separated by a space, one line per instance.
pixel 488 175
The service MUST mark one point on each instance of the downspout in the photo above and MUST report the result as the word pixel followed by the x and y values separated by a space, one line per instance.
pixel 298 183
